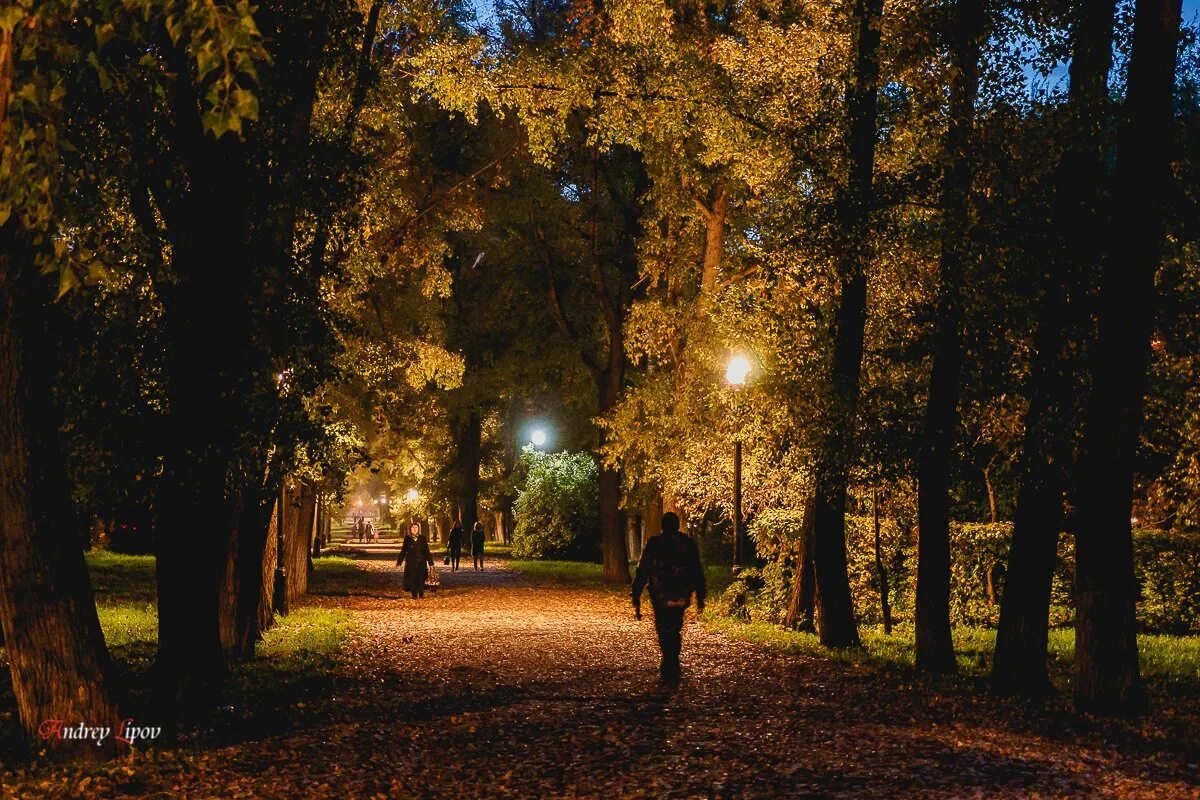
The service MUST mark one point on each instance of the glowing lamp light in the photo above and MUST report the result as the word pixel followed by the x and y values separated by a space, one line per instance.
pixel 538 438
pixel 738 370
pixel 411 496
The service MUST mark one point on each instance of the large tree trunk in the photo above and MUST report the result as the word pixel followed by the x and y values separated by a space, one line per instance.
pixel 612 536
pixel 652 518
pixel 1022 639
pixel 55 648
pixel 802 608
pixel 208 322
pixel 469 436
pixel 1106 655
pixel 243 622
pixel 934 645
pixel 835 608
pixel 303 498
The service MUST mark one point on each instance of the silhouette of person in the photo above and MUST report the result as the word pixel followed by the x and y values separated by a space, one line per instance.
pixel 416 558
pixel 455 543
pixel 477 537
pixel 670 564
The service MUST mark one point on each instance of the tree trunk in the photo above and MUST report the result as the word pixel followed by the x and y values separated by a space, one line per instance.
pixel 55 648
pixel 1022 639
pixel 934 644
pixel 302 498
pixel 612 536
pixel 652 518
pixel 1106 655
pixel 880 569
pixel 243 622
pixel 993 518
pixel 470 437
pixel 802 608
pixel 835 607
pixel 318 527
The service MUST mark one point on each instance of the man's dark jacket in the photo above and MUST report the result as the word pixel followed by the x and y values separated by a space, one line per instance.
pixel 659 558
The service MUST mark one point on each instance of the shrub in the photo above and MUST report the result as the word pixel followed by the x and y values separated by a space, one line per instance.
pixel 1167 568
pixel 1167 565
pixel 557 510
pixel 898 557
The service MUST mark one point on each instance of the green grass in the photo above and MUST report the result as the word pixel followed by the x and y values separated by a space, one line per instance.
pixel 568 573
pixel 306 634
pixel 118 578
pixel 1164 659
pixel 125 602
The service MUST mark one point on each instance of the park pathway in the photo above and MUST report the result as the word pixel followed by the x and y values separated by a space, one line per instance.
pixel 495 687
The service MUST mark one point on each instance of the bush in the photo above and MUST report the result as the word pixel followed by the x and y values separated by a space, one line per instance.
pixel 557 511
pixel 899 562
pixel 1167 567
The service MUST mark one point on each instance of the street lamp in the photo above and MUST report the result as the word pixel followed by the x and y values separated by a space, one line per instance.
pixel 736 374
pixel 538 438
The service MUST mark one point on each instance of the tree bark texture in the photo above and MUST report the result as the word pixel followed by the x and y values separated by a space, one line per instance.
pixel 55 649
pixel 934 645
pixel 1022 639
pixel 802 607
pixel 835 608
pixel 1106 655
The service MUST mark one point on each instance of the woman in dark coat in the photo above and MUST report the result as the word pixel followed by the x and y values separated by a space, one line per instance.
pixel 416 558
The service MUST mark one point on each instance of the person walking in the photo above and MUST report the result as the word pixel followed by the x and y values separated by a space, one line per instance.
pixel 670 565
pixel 455 543
pixel 477 537
pixel 416 558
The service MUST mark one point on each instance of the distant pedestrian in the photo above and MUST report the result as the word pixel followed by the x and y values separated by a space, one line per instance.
pixel 455 543
pixel 416 558
pixel 670 564
pixel 477 537
pixel 371 532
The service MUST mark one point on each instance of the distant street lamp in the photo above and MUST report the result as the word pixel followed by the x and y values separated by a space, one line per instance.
pixel 538 438
pixel 736 374
pixel 411 497
pixel 384 511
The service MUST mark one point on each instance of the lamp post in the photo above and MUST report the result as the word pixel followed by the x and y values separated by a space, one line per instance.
pixel 736 374
pixel 411 496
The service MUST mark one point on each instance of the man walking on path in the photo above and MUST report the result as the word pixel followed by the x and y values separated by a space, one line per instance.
pixel 671 565
pixel 455 543
pixel 477 537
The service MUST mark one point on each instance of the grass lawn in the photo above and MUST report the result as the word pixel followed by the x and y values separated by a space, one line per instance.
pixel 1168 662
pixel 125 602
pixel 292 661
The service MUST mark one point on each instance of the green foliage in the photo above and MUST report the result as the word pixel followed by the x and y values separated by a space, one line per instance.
pixel 1167 564
pixel 556 511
